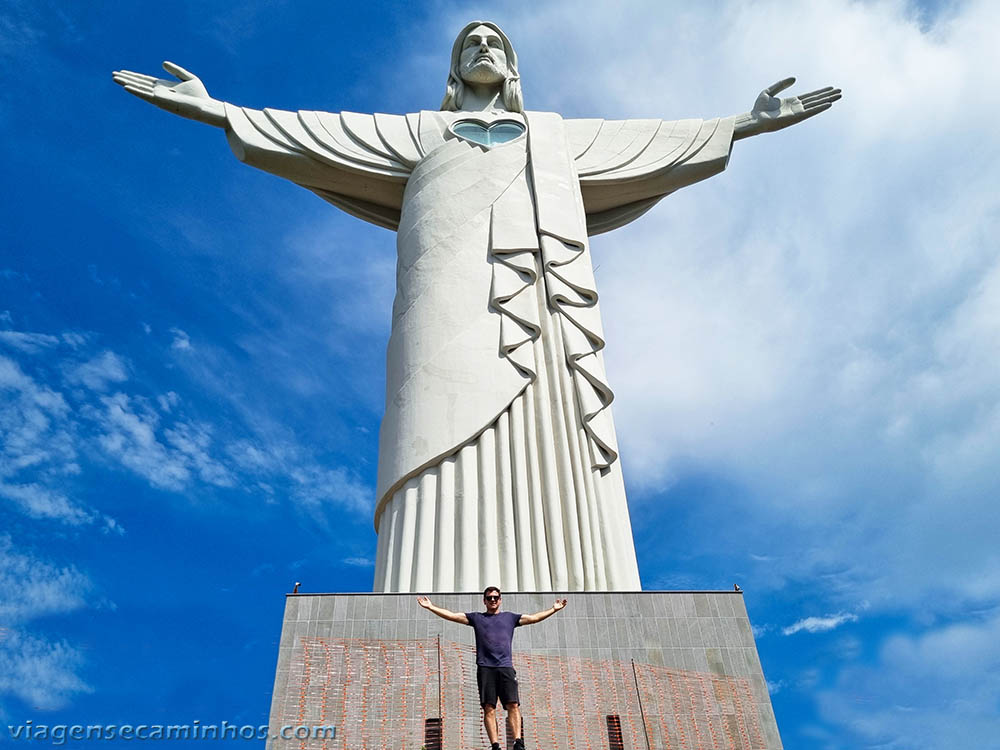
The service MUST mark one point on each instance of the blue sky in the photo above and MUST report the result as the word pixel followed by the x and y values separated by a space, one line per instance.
pixel 803 348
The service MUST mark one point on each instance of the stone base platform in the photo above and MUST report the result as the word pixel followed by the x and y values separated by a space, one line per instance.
pixel 645 670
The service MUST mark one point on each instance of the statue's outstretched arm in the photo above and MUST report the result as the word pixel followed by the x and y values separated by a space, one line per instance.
pixel 364 177
pixel 770 113
pixel 186 96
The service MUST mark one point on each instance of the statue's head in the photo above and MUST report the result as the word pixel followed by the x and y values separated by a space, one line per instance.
pixel 483 55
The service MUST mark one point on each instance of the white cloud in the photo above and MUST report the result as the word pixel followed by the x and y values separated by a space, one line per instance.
pixel 359 562
pixel 168 401
pixel 74 340
pixel 38 501
pixel 317 487
pixel 194 441
pixel 931 691
pixel 44 437
pixel 31 588
pixel 29 343
pixel 98 372
pixel 129 436
pixel 820 624
pixel 174 457
pixel 41 672
pixel 37 450
pixel 181 340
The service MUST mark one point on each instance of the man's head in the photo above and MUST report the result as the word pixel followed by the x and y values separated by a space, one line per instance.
pixel 491 598
pixel 483 56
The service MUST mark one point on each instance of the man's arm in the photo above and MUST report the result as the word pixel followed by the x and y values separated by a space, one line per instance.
pixel 443 613
pixel 539 616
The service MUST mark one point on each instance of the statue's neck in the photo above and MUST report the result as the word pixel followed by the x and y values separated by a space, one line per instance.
pixel 482 98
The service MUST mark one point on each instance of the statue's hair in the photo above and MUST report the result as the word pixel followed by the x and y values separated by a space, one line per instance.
pixel 454 93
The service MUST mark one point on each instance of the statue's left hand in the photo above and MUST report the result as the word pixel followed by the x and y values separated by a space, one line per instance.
pixel 770 113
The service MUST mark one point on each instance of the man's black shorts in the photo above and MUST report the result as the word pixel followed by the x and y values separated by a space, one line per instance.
pixel 497 682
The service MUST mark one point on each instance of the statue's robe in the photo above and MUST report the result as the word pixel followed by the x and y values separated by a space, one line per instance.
pixel 498 462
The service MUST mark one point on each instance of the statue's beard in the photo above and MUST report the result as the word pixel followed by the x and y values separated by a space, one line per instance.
pixel 483 72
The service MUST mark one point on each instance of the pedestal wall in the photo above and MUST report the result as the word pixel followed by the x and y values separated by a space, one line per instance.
pixel 624 670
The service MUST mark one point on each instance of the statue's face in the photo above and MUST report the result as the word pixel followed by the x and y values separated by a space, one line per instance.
pixel 483 58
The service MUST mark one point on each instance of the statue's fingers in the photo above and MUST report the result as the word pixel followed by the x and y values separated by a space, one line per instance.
pixel 127 83
pixel 135 78
pixel 176 70
pixel 128 75
pixel 781 85
pixel 815 111
pixel 142 93
pixel 819 94
pixel 826 100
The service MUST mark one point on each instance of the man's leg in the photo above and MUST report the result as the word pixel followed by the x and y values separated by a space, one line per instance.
pixel 490 722
pixel 513 720
pixel 486 678
pixel 507 692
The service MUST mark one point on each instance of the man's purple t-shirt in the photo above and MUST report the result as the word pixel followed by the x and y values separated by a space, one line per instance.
pixel 494 634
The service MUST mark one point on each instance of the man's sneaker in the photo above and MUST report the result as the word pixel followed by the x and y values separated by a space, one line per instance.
pixel 495 746
pixel 519 744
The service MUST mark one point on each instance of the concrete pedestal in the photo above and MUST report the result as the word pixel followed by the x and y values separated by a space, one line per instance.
pixel 626 670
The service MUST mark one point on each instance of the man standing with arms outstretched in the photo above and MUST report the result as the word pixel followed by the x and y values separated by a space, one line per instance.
pixel 495 673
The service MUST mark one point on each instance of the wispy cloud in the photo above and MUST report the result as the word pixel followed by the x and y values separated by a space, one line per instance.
pixel 359 562
pixel 925 691
pixel 820 624
pixel 194 441
pixel 99 372
pixel 40 671
pixel 181 340
pixel 38 501
pixel 27 342
pixel 128 428
pixel 317 487
pixel 31 587
pixel 48 433
pixel 37 448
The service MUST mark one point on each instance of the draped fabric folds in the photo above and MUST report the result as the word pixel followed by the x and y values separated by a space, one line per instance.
pixel 498 457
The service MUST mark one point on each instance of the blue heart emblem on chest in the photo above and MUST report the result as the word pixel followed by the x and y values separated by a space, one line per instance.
pixel 497 132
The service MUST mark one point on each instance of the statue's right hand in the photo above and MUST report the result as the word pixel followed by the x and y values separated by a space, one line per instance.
pixel 186 96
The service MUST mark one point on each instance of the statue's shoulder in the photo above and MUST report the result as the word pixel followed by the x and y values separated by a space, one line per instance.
pixel 581 133
pixel 384 133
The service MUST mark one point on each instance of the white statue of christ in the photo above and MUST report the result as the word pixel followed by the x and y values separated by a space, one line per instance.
pixel 498 462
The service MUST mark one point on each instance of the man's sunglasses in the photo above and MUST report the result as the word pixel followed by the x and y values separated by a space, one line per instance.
pixel 491 598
